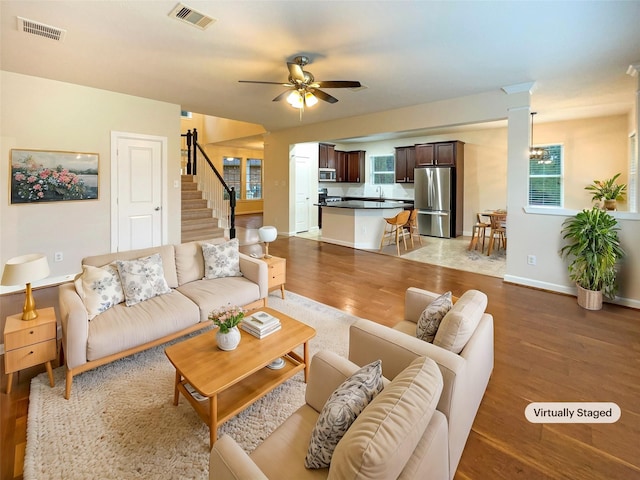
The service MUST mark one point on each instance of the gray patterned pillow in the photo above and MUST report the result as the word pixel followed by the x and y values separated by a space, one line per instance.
pixel 430 318
pixel 142 279
pixel 221 260
pixel 340 411
pixel 99 288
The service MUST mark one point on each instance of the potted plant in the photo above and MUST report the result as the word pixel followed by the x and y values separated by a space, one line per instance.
pixel 607 190
pixel 227 318
pixel 594 250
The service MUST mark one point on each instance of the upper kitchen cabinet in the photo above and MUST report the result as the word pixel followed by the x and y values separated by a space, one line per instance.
pixel 439 154
pixel 405 163
pixel 350 166
pixel 326 156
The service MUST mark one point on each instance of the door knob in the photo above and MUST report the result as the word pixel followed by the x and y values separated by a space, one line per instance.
pixel 157 209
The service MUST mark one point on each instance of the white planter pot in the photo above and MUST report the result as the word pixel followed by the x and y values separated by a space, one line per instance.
pixel 589 299
pixel 228 341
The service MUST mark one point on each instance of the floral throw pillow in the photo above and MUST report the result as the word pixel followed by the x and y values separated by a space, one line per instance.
pixel 342 408
pixel 221 260
pixel 430 318
pixel 142 279
pixel 99 288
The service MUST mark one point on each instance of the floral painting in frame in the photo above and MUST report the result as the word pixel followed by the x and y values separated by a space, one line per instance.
pixel 39 176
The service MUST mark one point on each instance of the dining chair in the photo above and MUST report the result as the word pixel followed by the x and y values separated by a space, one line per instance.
pixel 479 232
pixel 394 229
pixel 498 231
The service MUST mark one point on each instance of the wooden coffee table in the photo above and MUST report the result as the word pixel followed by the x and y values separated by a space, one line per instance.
pixel 231 381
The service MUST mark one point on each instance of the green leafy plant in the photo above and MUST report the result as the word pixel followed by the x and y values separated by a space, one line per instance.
pixel 593 249
pixel 227 317
pixel 607 189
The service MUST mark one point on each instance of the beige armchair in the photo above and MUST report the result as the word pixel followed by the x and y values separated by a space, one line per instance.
pixel 466 329
pixel 398 435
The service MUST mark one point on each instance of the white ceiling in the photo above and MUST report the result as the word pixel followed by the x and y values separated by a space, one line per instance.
pixel 405 52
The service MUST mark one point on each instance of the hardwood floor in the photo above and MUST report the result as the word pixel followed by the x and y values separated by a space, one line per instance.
pixel 546 349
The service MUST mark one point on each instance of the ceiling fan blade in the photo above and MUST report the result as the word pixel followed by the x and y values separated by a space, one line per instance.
pixel 282 96
pixel 296 72
pixel 339 84
pixel 324 96
pixel 266 83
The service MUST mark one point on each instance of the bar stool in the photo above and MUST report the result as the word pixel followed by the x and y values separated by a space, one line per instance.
pixel 394 227
pixel 412 225
pixel 479 232
pixel 498 232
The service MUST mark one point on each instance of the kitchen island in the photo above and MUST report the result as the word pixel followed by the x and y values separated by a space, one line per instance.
pixel 358 223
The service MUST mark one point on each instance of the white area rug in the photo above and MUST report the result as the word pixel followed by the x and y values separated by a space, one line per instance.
pixel 120 422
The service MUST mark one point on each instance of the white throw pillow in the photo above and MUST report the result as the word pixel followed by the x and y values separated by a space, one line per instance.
pixel 221 260
pixel 461 321
pixel 142 279
pixel 342 408
pixel 430 319
pixel 99 288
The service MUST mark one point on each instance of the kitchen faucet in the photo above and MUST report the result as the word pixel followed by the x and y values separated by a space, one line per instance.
pixel 380 192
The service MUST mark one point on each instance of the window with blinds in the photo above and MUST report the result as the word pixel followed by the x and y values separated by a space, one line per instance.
pixel 384 169
pixel 545 178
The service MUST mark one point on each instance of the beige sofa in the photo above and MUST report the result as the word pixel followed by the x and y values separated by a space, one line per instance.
pixel 437 452
pixel 123 330
pixel 398 435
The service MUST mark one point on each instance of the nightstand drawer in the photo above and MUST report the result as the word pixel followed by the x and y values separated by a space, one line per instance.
pixel 29 356
pixel 277 270
pixel 29 336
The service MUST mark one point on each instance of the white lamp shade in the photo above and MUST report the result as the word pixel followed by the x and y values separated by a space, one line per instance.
pixel 25 269
pixel 267 234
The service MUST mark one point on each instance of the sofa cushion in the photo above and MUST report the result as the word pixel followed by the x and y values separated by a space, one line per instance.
pixel 212 294
pixel 386 433
pixel 340 411
pixel 221 260
pixel 190 260
pixel 99 288
pixel 142 278
pixel 432 316
pixel 461 321
pixel 122 327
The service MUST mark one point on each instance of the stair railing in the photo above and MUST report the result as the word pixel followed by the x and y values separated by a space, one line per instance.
pixel 220 197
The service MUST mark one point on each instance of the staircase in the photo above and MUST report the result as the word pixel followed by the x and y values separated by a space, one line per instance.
pixel 198 222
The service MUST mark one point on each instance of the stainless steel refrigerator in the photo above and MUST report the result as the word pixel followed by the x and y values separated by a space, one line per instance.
pixel 435 200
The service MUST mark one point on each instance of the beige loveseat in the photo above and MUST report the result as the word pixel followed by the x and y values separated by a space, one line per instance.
pixel 123 330
pixel 435 454
pixel 464 355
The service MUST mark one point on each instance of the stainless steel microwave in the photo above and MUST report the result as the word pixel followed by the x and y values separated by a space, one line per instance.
pixel 327 175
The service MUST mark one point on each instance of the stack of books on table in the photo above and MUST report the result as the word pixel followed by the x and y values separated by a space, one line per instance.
pixel 260 324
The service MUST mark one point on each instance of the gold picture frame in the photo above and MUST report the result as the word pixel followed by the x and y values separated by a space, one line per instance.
pixel 40 176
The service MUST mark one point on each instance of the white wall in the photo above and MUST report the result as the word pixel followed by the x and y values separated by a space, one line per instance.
pixel 42 114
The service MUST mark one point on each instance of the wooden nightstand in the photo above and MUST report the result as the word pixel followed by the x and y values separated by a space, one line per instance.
pixel 29 343
pixel 277 273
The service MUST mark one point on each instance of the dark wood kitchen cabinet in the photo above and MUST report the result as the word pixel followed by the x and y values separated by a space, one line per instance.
pixel 350 166
pixel 326 156
pixel 439 154
pixel 405 163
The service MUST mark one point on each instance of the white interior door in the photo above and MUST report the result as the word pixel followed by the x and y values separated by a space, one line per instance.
pixel 137 191
pixel 302 194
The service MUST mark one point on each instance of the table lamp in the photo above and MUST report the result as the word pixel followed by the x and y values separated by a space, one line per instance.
pixel 24 270
pixel 267 234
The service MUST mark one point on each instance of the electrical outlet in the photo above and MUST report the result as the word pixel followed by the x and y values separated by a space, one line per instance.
pixel 58 257
pixel 531 259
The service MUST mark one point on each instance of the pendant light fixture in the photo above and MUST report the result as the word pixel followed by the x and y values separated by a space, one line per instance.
pixel 535 153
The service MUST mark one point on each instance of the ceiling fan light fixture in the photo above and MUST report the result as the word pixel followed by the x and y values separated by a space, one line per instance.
pixel 295 99
pixel 310 99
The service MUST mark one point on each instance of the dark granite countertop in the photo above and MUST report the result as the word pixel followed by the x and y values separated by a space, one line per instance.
pixel 368 204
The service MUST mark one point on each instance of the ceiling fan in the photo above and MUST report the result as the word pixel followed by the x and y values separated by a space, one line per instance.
pixel 304 90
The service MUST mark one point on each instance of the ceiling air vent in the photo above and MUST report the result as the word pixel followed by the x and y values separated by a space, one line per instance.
pixel 40 29
pixel 189 15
